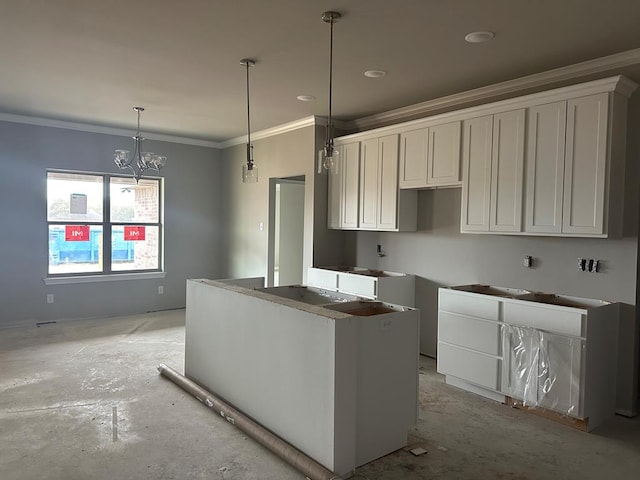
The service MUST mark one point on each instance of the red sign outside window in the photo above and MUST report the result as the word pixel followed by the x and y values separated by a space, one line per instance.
pixel 134 233
pixel 76 233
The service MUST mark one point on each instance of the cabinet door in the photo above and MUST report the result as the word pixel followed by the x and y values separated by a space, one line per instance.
pixel 542 369
pixel 545 168
pixel 585 165
pixel 443 164
pixel 476 175
pixel 388 183
pixel 519 363
pixel 335 193
pixel 559 372
pixel 506 172
pixel 350 169
pixel 369 184
pixel 414 147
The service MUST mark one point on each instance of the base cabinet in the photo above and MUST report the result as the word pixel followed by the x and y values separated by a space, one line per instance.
pixel 546 351
pixel 338 381
pixel 391 287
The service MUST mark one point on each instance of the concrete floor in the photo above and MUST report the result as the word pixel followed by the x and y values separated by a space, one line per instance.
pixel 62 385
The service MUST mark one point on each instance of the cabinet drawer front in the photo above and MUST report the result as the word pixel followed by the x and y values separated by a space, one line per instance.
pixel 471 366
pixel 357 284
pixel 317 277
pixel 468 332
pixel 472 305
pixel 545 317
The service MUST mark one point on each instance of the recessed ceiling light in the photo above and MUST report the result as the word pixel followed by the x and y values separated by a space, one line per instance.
pixel 479 37
pixel 375 73
pixel 306 98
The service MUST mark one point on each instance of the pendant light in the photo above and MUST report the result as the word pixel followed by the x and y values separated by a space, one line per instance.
pixel 329 155
pixel 143 160
pixel 249 169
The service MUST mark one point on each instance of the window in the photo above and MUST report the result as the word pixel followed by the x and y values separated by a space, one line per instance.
pixel 101 224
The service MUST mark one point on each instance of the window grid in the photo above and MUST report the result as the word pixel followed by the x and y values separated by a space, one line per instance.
pixel 107 225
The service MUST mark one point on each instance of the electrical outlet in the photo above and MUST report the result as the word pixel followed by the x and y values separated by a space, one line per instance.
pixel 160 290
pixel 527 261
pixel 50 298
pixel 590 265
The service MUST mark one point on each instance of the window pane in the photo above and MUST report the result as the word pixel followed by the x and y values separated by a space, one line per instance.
pixel 134 203
pixel 74 197
pixel 75 248
pixel 134 247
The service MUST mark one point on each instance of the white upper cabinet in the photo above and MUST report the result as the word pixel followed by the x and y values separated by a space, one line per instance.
pixel 387 183
pixel 570 169
pixel 585 165
pixel 493 153
pixel 343 188
pixel 369 184
pixel 549 163
pixel 430 156
pixel 380 201
pixel 545 167
pixel 476 174
pixel 414 149
pixel 443 161
pixel 350 168
pixel 364 194
pixel 507 158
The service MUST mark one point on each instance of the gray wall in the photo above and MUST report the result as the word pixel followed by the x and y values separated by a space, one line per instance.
pixel 290 154
pixel 194 244
pixel 441 256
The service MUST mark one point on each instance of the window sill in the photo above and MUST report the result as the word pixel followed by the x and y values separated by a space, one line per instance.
pixel 114 277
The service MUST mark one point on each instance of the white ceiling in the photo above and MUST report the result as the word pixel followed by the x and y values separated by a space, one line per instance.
pixel 90 61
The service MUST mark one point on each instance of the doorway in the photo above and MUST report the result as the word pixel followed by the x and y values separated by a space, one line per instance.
pixel 286 214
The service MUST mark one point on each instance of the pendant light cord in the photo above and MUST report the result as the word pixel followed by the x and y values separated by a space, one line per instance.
pixel 248 109
pixel 329 123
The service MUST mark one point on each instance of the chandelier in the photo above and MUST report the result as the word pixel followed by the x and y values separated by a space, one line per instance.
pixel 140 161
pixel 328 160
pixel 249 170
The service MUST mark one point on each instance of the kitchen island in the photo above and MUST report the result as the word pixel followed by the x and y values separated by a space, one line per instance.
pixel 334 377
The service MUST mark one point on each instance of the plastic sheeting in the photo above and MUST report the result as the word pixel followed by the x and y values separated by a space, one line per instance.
pixel 543 368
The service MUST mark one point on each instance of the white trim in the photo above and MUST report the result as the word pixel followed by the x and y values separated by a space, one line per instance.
pixel 313 120
pixel 618 84
pixel 87 127
pixel 270 132
pixel 590 67
pixel 114 277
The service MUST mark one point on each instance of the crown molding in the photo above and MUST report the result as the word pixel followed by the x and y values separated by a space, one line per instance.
pixel 570 72
pixel 87 127
pixel 617 84
pixel 270 132
pixel 277 130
